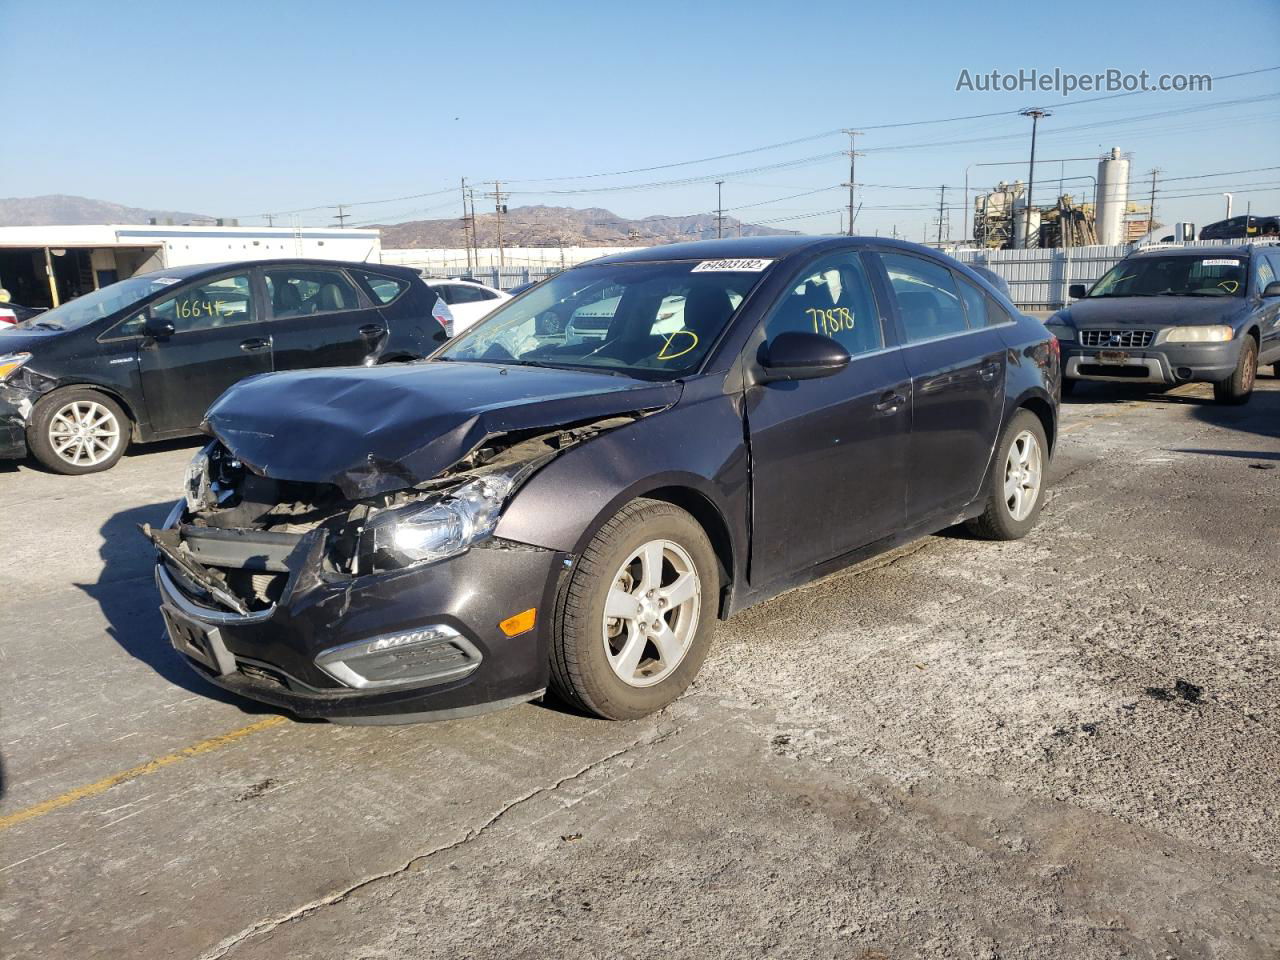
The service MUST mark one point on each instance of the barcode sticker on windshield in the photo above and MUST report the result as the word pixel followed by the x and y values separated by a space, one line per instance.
pixel 1221 263
pixel 165 281
pixel 752 265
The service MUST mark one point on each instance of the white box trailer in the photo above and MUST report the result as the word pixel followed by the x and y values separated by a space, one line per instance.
pixel 43 266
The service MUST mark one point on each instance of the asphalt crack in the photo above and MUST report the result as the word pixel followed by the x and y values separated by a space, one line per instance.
pixel 271 923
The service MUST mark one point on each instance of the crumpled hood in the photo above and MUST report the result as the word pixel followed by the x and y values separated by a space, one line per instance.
pixel 374 430
pixel 1149 311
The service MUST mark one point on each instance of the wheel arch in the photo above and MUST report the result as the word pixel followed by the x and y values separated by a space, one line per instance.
pixel 115 396
pixel 1043 410
pixel 704 510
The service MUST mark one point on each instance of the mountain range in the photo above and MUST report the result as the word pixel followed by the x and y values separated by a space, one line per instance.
pixel 531 226
pixel 59 208
pixel 540 226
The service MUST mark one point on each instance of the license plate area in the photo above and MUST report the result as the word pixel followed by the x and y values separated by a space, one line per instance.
pixel 1113 356
pixel 198 641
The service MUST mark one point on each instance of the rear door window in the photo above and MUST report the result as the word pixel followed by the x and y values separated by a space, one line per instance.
pixel 304 291
pixel 928 299
pixel 466 293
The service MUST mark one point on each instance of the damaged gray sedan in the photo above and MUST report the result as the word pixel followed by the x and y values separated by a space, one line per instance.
pixel 534 507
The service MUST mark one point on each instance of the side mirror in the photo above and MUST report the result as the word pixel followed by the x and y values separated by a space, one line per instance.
pixel 1272 289
pixel 801 356
pixel 160 329
pixel 1077 291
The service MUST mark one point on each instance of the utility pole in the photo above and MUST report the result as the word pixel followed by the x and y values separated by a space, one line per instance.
pixel 1151 224
pixel 942 199
pixel 342 215
pixel 500 207
pixel 1036 116
pixel 719 209
pixel 853 155
pixel 466 228
pixel 271 217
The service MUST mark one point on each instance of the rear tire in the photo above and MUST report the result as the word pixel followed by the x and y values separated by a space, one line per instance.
pixel 1238 387
pixel 78 431
pixel 635 620
pixel 1017 482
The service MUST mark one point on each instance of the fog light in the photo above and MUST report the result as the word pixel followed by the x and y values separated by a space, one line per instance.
pixel 432 654
pixel 520 623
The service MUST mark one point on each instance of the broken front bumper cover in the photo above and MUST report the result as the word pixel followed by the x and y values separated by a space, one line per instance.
pixel 13 431
pixel 419 643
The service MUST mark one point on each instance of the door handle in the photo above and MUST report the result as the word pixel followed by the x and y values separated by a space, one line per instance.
pixel 254 343
pixel 372 330
pixel 988 371
pixel 889 403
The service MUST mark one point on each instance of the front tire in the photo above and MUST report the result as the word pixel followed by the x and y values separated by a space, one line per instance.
pixel 1016 486
pixel 635 620
pixel 78 431
pixel 1068 386
pixel 1238 387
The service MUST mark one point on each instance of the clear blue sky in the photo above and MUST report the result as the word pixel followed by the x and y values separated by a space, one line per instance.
pixel 236 108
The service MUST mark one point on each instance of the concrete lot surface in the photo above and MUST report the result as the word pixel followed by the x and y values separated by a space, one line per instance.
pixel 1065 747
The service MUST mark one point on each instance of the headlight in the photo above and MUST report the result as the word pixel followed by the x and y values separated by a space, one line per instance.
pixel 1063 333
pixel 10 363
pixel 444 526
pixel 195 485
pixel 1215 334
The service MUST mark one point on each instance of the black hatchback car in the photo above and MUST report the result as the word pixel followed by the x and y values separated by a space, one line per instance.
pixel 1171 315
pixel 530 508
pixel 142 359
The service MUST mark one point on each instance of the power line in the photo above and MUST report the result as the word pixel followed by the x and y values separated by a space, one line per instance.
pixel 880 126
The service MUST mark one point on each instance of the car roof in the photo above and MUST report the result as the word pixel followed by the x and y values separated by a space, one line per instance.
pixel 199 269
pixel 729 247
pixel 1230 250
pixel 774 248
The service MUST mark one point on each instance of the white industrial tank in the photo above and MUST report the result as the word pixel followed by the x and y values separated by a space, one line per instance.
pixel 1113 197
pixel 1026 230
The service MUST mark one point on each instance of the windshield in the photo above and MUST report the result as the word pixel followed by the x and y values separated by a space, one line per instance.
pixel 1174 277
pixel 100 303
pixel 651 320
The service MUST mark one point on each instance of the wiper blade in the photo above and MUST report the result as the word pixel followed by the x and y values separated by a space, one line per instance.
pixel 589 367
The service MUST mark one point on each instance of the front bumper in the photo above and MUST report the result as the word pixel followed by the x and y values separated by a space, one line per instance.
pixel 270 655
pixel 1167 363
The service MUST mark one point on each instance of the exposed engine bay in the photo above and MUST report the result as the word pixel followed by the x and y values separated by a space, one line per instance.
pixel 243 538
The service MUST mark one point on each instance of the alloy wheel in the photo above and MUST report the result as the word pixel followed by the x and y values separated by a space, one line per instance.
pixel 651 613
pixel 1023 472
pixel 84 433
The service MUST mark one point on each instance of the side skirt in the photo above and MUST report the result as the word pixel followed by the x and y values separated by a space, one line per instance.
pixel 743 599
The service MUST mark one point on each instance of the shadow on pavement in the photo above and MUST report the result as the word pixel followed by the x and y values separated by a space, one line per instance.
pixel 126 593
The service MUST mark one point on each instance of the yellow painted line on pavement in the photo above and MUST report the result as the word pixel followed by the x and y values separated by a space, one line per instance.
pixel 141 770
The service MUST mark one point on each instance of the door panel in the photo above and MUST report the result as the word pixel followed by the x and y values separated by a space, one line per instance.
pixel 318 318
pixel 217 341
pixel 957 369
pixel 828 464
pixel 828 456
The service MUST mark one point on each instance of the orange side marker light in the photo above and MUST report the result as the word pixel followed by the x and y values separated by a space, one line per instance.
pixel 520 623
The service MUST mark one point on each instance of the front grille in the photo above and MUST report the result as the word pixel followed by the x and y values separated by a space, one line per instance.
pixel 1116 338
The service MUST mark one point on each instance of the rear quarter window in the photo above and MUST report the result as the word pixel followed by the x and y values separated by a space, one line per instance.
pixel 382 289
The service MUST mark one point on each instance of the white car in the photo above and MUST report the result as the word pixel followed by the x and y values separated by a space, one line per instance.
pixel 465 301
